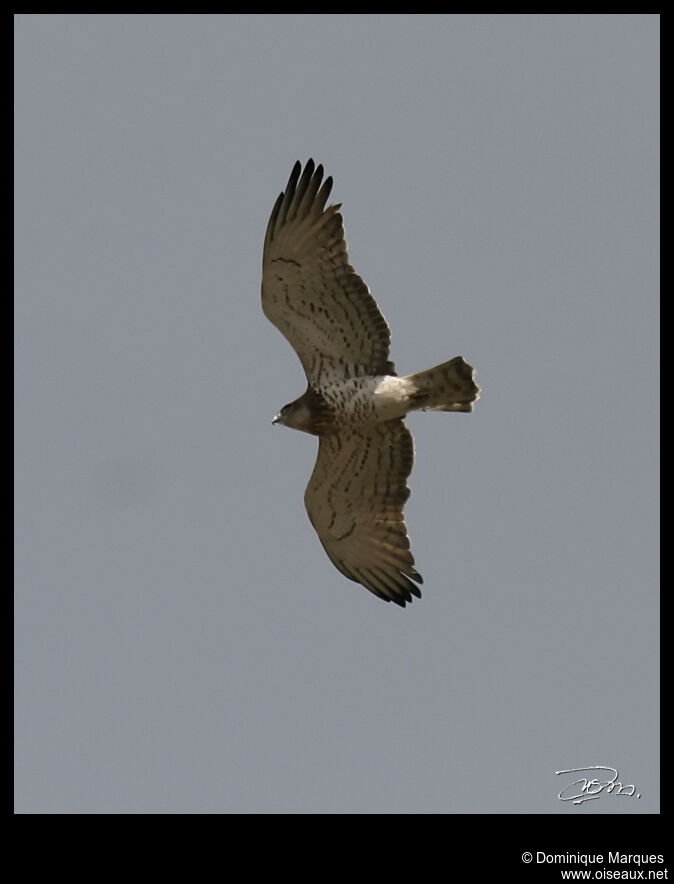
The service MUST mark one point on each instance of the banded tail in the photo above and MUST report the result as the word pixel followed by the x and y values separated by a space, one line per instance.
pixel 447 387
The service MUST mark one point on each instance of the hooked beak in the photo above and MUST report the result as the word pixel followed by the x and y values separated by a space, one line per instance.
pixel 276 419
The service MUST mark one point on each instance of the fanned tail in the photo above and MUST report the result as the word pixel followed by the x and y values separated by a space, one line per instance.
pixel 446 387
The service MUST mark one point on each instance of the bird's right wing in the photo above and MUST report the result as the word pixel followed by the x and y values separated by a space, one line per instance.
pixel 355 500
pixel 312 294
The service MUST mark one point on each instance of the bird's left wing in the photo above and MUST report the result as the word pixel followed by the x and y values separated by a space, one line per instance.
pixel 311 292
pixel 355 500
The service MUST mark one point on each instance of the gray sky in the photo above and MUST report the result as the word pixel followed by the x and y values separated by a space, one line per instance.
pixel 183 644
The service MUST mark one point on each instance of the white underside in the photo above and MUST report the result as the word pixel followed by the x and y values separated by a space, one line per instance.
pixel 391 396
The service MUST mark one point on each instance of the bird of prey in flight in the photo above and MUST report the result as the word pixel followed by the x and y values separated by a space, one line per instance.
pixel 354 402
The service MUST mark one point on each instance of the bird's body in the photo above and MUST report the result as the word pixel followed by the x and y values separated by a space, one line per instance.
pixel 351 403
pixel 354 400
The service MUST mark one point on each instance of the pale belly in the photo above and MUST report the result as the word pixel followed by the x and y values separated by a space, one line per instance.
pixel 369 400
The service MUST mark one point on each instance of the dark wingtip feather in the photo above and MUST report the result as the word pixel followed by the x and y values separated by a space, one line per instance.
pixel 294 175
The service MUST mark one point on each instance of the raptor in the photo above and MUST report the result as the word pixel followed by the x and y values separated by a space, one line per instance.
pixel 354 402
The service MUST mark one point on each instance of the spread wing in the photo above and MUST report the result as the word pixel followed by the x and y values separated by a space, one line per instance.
pixel 312 294
pixel 355 500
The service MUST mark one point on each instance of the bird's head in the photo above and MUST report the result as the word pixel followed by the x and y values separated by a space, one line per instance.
pixel 297 415
pixel 283 415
